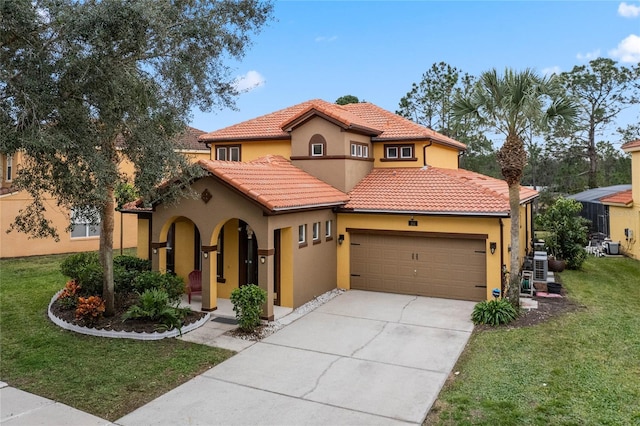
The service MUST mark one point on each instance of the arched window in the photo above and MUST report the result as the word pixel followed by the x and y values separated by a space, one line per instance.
pixel 317 146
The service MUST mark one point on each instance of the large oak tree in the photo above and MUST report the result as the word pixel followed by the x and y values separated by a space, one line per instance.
pixel 87 84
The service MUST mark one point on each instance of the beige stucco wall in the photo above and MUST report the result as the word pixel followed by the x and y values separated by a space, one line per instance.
pixel 225 209
pixel 621 218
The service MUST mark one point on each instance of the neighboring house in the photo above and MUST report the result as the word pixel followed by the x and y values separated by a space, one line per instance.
pixel 624 208
pixel 318 196
pixel 84 236
pixel 594 210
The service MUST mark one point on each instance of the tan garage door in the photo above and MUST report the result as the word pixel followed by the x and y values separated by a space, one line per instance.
pixel 452 268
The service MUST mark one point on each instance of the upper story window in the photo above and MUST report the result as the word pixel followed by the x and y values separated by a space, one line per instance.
pixel 9 169
pixel 316 232
pixel 302 235
pixel 328 229
pixel 228 152
pixel 317 146
pixel 84 223
pixel 398 152
pixel 359 150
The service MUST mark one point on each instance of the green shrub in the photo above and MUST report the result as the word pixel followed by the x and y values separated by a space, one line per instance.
pixel 86 270
pixel 494 312
pixel 567 231
pixel 73 265
pixel 247 304
pixel 153 304
pixel 132 263
pixel 125 271
pixel 173 285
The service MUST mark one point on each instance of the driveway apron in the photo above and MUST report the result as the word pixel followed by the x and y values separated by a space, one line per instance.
pixel 361 358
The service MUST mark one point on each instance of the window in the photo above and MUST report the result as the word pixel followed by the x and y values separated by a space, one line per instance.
pixel 316 232
pixel 302 235
pixel 406 152
pixel 328 229
pixel 317 146
pixel 359 150
pixel 398 152
pixel 392 152
pixel 228 153
pixel 317 150
pixel 9 174
pixel 85 223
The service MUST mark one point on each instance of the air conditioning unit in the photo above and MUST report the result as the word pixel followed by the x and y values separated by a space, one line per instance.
pixel 540 266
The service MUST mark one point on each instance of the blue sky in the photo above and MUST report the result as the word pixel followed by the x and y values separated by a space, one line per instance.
pixel 375 50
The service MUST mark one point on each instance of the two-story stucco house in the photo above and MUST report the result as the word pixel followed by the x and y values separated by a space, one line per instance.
pixel 318 196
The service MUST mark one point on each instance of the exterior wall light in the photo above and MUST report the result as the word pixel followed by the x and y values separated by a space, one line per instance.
pixel 263 259
pixel 492 247
pixel 205 254
pixel 340 239
pixel 155 250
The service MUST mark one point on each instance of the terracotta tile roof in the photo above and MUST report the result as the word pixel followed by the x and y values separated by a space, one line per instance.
pixel 363 117
pixel 189 140
pixel 631 146
pixel 622 197
pixel 275 183
pixel 433 190
pixel 395 127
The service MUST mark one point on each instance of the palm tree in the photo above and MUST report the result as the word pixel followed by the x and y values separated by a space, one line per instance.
pixel 512 104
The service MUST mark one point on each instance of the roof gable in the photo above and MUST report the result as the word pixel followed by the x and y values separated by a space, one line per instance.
pixel 433 190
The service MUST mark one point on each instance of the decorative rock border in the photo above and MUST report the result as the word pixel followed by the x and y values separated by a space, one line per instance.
pixel 122 334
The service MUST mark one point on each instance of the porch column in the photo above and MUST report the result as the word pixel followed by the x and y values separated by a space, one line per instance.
pixel 209 278
pixel 265 278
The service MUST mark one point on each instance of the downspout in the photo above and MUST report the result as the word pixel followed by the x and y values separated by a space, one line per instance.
pixel 424 153
pixel 208 145
pixel 501 256
pixel 526 228
pixel 460 154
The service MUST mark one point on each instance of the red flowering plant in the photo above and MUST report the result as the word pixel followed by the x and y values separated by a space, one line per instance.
pixel 89 308
pixel 68 297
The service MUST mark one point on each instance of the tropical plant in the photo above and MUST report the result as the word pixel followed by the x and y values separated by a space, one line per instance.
pixel 247 304
pixel 171 284
pixel 89 309
pixel 494 312
pixel 154 305
pixel 513 104
pixel 566 231
pixel 88 84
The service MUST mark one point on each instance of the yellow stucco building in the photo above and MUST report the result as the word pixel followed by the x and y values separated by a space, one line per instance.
pixel 318 196
pixel 624 208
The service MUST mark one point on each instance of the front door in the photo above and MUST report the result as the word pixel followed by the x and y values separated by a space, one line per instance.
pixel 276 267
pixel 247 256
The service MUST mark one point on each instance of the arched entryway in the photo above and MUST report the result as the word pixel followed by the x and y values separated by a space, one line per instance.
pixel 182 254
pixel 236 257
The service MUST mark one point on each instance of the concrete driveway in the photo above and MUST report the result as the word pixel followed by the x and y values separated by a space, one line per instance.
pixel 361 358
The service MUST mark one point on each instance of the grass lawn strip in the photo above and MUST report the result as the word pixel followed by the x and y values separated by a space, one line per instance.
pixel 105 377
pixel 581 368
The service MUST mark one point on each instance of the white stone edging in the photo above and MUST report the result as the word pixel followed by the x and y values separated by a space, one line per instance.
pixel 122 334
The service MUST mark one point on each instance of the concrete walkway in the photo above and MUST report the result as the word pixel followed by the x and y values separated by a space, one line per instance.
pixel 361 358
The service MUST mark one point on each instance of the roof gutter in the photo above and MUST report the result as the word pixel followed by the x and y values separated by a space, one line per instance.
pixel 309 206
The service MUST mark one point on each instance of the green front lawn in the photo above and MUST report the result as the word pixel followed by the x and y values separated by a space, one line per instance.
pixel 581 368
pixel 105 377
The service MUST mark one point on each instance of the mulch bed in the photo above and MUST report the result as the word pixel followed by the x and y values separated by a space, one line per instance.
pixel 116 323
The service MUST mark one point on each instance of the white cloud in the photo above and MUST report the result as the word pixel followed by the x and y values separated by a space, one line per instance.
pixel 628 50
pixel 629 10
pixel 321 39
pixel 249 81
pixel 551 70
pixel 589 55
